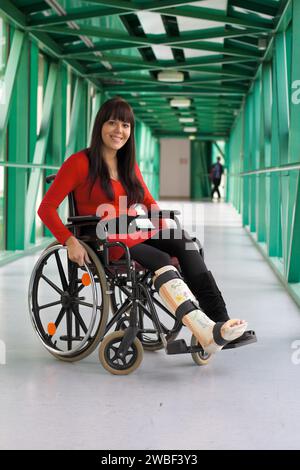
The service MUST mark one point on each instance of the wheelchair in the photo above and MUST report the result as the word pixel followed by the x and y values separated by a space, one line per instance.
pixel 108 303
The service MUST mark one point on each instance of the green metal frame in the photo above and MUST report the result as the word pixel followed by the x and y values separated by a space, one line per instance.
pixel 271 155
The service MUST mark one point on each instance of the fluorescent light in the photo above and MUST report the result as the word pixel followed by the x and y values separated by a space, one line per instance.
pixel 183 119
pixel 262 44
pixel 192 137
pixel 190 129
pixel 170 76
pixel 180 103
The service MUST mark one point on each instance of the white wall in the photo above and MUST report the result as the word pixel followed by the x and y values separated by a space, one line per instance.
pixel 175 168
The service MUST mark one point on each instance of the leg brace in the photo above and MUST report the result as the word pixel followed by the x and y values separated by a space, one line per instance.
pixel 181 302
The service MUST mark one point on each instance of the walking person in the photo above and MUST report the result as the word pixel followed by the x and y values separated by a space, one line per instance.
pixel 216 175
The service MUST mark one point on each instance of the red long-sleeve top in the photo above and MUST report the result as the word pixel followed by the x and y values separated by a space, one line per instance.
pixel 73 176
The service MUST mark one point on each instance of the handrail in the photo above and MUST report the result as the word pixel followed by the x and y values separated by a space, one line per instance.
pixel 274 169
pixel 29 165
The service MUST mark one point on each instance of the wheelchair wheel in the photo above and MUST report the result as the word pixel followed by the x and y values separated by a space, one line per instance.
pixel 108 354
pixel 201 358
pixel 68 304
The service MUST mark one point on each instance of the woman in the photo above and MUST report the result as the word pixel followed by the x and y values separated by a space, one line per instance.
pixel 102 176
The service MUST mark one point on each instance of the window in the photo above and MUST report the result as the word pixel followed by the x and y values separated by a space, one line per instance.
pixel 40 92
pixel 3 61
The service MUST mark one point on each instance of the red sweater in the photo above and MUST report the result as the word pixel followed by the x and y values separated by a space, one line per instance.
pixel 73 176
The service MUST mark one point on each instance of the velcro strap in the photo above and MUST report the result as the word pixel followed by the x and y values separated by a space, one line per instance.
pixel 165 277
pixel 218 339
pixel 186 307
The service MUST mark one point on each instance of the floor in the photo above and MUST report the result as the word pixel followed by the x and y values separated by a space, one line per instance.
pixel 244 399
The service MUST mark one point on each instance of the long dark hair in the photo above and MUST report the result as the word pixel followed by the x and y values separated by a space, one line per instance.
pixel 117 109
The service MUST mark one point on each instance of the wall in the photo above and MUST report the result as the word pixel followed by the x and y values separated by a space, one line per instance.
pixel 175 168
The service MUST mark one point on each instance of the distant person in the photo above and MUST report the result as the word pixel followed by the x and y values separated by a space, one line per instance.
pixel 215 176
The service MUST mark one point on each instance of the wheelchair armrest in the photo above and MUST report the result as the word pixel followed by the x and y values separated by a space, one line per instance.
pixel 80 219
pixel 163 213
pixel 50 178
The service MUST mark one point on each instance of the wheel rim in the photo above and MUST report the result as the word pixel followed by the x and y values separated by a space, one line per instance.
pixel 116 362
pixel 69 302
pixel 200 357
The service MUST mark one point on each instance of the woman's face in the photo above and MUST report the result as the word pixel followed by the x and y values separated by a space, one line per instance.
pixel 115 134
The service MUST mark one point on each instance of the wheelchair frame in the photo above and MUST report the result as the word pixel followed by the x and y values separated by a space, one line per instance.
pixel 136 284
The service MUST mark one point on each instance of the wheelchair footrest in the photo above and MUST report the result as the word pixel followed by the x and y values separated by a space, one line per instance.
pixel 73 338
pixel 178 346
pixel 247 338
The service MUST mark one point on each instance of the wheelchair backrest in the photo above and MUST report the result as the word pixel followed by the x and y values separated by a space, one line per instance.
pixel 71 199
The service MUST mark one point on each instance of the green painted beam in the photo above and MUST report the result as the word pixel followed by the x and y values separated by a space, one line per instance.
pixel 293 268
pixel 153 39
pixel 74 14
pixel 217 16
pixel 17 151
pixel 40 151
pixel 9 80
pixel 44 41
pixel 188 65
pixel 267 8
pixel 200 45
pixel 11 12
pixel 75 118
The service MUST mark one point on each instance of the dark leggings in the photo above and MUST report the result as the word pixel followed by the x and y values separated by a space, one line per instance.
pixel 156 252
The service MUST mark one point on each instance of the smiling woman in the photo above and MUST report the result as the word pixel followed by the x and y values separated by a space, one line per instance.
pixel 90 175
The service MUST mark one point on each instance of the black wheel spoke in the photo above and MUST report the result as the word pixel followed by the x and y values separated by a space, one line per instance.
pixel 62 275
pixel 72 273
pixel 59 319
pixel 54 286
pixel 129 353
pixel 79 318
pixel 69 328
pixel 60 316
pixel 85 304
pixel 51 304
pixel 115 350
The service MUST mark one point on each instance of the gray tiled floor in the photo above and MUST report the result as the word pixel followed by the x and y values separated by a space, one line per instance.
pixel 244 399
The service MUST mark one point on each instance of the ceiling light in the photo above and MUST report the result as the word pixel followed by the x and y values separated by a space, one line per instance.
pixel 183 119
pixel 190 129
pixel 170 76
pixel 192 137
pixel 142 103
pixel 262 44
pixel 180 103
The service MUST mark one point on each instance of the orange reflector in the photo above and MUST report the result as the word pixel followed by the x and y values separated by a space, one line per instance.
pixel 86 280
pixel 51 329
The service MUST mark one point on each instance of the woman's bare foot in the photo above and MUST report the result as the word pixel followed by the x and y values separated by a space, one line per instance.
pixel 232 328
pixel 213 336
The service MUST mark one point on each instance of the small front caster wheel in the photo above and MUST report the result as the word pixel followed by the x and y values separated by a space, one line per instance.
pixel 110 359
pixel 201 358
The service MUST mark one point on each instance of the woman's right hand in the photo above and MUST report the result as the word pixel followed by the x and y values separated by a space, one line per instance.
pixel 76 252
